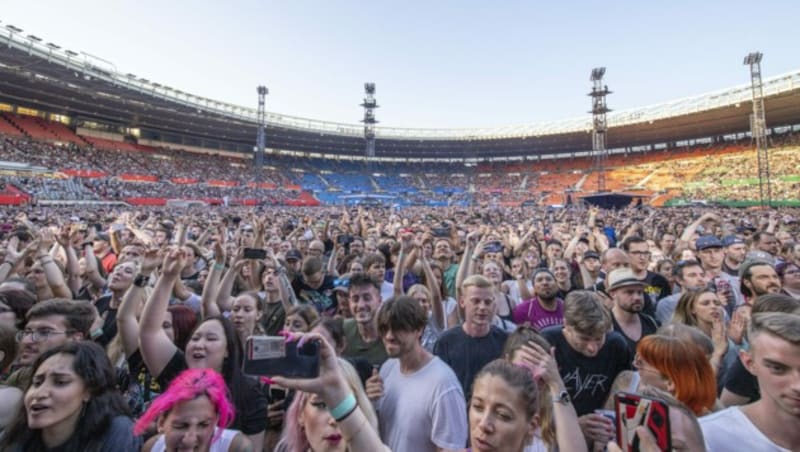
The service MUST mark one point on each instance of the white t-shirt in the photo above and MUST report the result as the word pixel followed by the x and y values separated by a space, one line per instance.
pixel 422 411
pixel 387 290
pixel 730 430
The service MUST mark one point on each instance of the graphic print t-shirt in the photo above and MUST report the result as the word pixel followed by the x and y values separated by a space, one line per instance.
pixel 588 379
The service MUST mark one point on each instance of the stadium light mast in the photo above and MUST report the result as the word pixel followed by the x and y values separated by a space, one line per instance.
pixel 599 125
pixel 369 104
pixel 758 127
pixel 261 134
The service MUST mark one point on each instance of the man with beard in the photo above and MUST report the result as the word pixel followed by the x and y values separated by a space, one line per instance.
pixel 758 278
pixel 766 242
pixel 476 342
pixel 545 308
pixel 627 291
pixel 419 400
pixel 589 357
pixel 361 332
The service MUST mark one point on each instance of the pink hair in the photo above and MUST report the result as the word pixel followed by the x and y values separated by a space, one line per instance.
pixel 294 438
pixel 189 385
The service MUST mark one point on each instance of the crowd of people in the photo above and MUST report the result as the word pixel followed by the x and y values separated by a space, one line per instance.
pixel 724 172
pixel 437 329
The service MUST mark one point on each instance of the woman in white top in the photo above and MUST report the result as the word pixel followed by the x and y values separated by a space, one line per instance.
pixel 192 414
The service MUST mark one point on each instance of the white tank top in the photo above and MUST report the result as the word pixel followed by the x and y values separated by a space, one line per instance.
pixel 222 444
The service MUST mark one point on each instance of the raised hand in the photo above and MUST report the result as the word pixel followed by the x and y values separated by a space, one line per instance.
pixel 150 261
pixel 374 386
pixel 175 261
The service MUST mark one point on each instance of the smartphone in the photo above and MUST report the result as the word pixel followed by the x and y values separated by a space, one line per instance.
pixel 441 232
pixel 272 355
pixel 344 239
pixel 634 410
pixel 494 247
pixel 254 253
pixel 276 394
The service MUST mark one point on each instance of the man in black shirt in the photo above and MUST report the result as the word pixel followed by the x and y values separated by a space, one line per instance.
pixel 314 287
pixel 470 346
pixel 589 357
pixel 627 291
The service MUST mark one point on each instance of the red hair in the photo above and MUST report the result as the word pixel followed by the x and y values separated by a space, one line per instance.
pixel 686 366
pixel 190 384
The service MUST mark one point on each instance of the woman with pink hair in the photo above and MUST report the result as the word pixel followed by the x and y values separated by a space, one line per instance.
pixel 192 414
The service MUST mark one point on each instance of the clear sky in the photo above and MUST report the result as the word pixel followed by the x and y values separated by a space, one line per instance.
pixel 436 63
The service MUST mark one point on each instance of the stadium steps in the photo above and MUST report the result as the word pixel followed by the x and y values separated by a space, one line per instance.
pixel 324 181
pixel 9 128
pixel 524 184
pixel 647 178
pixel 62 132
pixel 375 186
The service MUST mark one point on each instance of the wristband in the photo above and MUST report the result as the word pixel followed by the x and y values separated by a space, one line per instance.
pixel 219 266
pixel 141 280
pixel 345 408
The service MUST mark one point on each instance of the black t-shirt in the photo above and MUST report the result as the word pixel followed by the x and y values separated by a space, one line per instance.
pixel 656 287
pixel 649 326
pixel 109 315
pixel 321 298
pixel 467 355
pixel 273 319
pixel 589 379
pixel 248 398
pixel 741 382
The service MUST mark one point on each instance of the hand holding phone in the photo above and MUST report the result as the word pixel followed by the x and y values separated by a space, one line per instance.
pixel 274 356
pixel 634 411
pixel 254 253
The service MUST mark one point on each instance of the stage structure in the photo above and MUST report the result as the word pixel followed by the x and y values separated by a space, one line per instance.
pixel 599 126
pixel 261 134
pixel 758 127
pixel 369 104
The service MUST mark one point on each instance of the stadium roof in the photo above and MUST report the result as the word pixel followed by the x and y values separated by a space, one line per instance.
pixel 49 78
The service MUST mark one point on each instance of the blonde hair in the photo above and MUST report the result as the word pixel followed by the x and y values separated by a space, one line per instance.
pixel 476 281
pixel 782 325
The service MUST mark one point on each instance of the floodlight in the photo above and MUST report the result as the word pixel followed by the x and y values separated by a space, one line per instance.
pixel 753 58
pixel 597 73
pixel 262 90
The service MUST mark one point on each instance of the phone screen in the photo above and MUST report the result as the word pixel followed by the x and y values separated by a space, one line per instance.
pixel 634 410
pixel 272 355
pixel 254 253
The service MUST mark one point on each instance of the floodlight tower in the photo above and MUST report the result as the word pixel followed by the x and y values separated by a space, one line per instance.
pixel 369 104
pixel 261 135
pixel 599 125
pixel 758 127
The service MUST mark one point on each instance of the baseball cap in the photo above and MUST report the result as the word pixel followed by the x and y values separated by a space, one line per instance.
pixel 591 255
pixel 622 277
pixel 707 241
pixel 729 240
pixel 294 255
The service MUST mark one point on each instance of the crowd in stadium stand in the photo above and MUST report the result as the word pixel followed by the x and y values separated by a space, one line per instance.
pixel 459 321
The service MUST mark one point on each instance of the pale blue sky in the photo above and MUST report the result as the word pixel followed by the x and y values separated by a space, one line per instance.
pixel 449 63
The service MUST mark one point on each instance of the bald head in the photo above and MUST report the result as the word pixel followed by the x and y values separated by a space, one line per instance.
pixel 614 258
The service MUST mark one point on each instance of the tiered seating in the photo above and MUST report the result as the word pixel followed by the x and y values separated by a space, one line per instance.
pixel 9 129
pixel 32 127
pixel 111 145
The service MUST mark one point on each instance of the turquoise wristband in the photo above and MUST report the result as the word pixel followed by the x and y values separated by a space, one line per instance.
pixel 344 408
pixel 219 266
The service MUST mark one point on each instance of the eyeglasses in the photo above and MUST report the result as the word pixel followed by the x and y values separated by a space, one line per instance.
pixel 37 335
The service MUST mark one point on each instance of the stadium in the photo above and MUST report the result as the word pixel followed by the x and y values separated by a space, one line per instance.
pixel 76 131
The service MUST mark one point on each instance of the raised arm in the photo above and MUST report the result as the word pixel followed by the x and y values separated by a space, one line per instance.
pixel 55 279
pixel 224 299
pixel 156 348
pixel 436 294
pixel 211 287
pixel 127 325
pixel 72 267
